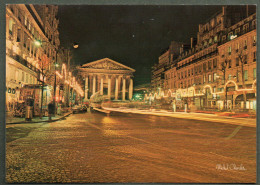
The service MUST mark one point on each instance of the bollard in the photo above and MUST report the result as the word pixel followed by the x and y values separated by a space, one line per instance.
pixel 29 113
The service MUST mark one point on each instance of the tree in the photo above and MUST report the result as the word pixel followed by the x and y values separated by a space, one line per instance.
pixel 223 68
pixel 44 67
pixel 243 60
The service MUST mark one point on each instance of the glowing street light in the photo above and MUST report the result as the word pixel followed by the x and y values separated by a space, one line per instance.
pixel 56 65
pixel 38 43
pixel 75 45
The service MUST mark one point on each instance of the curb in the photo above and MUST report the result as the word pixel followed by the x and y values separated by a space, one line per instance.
pixel 53 120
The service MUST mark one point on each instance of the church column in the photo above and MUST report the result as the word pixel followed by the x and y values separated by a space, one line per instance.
pixel 130 89
pixel 116 90
pixel 109 87
pixel 101 85
pixel 86 87
pixel 94 84
pixel 123 89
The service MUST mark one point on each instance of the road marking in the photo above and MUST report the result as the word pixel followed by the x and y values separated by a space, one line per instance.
pixel 234 132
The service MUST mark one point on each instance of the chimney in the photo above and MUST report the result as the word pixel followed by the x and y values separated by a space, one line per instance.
pixel 191 42
pixel 223 10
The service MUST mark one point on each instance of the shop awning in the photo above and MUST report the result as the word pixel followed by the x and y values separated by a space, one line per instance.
pixel 33 86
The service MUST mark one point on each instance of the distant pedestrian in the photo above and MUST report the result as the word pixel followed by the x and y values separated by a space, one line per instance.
pixel 174 106
pixel 50 110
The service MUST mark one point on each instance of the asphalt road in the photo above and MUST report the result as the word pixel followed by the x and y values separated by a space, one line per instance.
pixel 92 147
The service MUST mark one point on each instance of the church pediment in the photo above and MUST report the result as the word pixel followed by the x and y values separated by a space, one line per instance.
pixel 106 64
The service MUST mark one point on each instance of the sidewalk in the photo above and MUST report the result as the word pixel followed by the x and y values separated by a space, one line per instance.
pixel 250 122
pixel 15 120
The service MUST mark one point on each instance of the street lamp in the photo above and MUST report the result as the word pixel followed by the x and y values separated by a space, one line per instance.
pixel 38 43
pixel 75 45
pixel 54 90
pixel 69 95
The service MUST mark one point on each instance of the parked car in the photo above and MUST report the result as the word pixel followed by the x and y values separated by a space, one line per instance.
pixel 79 109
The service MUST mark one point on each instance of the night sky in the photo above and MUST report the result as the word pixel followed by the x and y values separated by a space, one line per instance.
pixel 132 35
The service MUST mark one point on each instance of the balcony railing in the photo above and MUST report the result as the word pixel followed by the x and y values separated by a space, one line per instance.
pixel 24 62
pixel 251 27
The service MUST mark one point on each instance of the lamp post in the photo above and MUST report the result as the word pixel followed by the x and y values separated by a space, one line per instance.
pixel 54 87
pixel 75 46
pixel 38 43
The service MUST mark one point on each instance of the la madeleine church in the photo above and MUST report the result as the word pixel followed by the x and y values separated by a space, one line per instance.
pixel 108 78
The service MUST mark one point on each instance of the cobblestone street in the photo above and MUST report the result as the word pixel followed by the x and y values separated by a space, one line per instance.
pixel 92 147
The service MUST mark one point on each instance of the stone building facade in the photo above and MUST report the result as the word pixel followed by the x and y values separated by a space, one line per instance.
pixel 109 78
pixel 220 70
pixel 158 69
pixel 24 59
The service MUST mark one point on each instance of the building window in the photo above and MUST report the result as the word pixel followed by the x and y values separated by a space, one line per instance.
pixel 12 8
pixel 245 75
pixel 245 59
pixel 245 44
pixel 238 76
pixel 229 64
pixel 229 50
pixel 254 40
pixel 237 61
pixel 19 34
pixel 254 56
pixel 224 38
pixel 33 31
pixel 229 77
pixel 237 47
pixel 204 67
pixel 29 26
pixel 204 78
pixel 26 78
pixel 214 77
pixel 210 41
pixel 216 38
pixel 245 28
pixel 237 31
pixel 28 45
pixel 22 76
pixel 215 63
pixel 192 71
pixel 25 40
pixel 209 78
pixel 11 26
pixel 25 21
pixel 254 73
pixel 209 65
pixel 20 16
pixel 188 72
